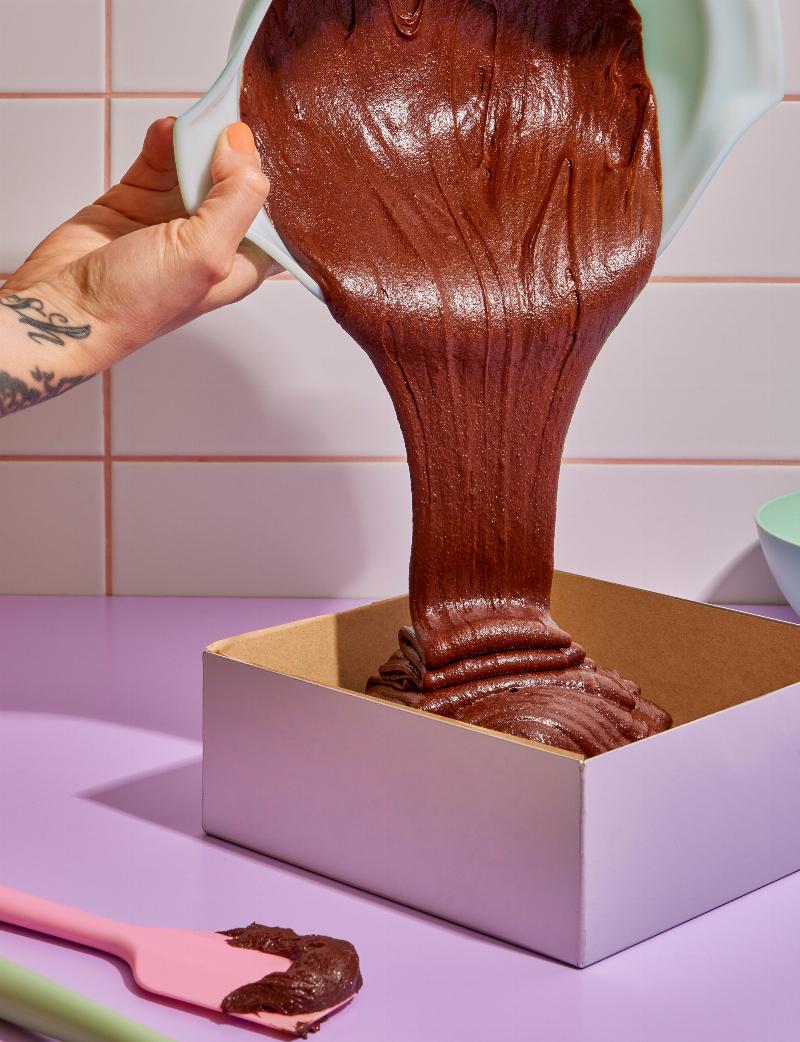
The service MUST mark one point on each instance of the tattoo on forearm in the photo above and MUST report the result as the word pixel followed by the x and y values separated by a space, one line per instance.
pixel 46 328
pixel 16 394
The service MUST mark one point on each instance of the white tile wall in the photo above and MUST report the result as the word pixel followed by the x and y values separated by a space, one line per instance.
pixel 790 9
pixel 697 372
pixel 343 529
pixel 273 375
pixel 252 529
pixel 748 221
pixel 683 530
pixel 181 45
pixel 34 134
pixel 48 46
pixel 51 538
pixel 70 425
pixel 130 118
pixel 170 45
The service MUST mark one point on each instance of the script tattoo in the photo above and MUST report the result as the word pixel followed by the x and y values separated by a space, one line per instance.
pixel 46 328
pixel 16 394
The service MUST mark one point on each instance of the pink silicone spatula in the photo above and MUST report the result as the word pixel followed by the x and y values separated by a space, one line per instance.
pixel 194 967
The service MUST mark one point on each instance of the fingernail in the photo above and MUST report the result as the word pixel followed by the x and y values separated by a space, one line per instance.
pixel 240 137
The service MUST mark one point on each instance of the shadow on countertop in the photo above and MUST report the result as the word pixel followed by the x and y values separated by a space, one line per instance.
pixel 172 798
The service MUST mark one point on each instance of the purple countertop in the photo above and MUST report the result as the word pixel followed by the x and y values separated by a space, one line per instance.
pixel 100 808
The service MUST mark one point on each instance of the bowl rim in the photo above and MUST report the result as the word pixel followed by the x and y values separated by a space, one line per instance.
pixel 764 526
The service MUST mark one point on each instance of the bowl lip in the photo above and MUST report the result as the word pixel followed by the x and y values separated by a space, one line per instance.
pixel 192 169
pixel 768 529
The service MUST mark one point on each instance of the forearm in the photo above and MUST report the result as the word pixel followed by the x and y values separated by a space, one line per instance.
pixel 130 268
pixel 43 350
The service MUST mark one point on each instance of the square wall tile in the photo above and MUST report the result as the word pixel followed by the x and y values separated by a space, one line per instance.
pixel 748 221
pixel 343 529
pixel 51 528
pixel 688 531
pixel 70 425
pixel 696 372
pixel 49 46
pixel 261 529
pixel 790 12
pixel 130 118
pixel 169 45
pixel 273 375
pixel 38 195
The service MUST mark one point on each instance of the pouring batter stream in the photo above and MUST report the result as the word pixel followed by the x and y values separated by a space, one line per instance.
pixel 475 185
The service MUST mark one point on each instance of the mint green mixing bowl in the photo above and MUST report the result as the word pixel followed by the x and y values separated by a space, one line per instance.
pixel 778 524
pixel 716 66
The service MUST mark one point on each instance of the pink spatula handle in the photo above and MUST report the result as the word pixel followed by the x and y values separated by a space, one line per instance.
pixel 70 924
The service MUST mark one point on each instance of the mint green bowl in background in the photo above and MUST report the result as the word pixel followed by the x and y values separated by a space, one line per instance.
pixel 778 524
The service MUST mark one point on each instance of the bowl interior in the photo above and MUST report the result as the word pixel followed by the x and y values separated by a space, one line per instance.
pixel 716 66
pixel 677 47
pixel 781 518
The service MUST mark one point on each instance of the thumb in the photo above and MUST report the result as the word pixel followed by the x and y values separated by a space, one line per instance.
pixel 239 190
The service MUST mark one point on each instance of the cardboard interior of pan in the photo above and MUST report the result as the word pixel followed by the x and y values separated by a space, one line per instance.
pixel 691 658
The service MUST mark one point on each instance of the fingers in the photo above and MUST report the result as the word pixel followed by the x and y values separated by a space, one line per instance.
pixel 239 190
pixel 149 193
pixel 155 167
pixel 143 205
pixel 164 274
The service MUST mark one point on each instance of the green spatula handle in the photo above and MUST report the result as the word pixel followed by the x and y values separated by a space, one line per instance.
pixel 34 1002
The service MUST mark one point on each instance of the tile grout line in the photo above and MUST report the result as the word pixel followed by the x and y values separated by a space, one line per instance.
pixel 724 280
pixel 108 557
pixel 210 458
pixel 107 99
pixel 78 95
pixel 96 95
pixel 611 461
pixel 333 460
pixel 655 280
pixel 672 280
pixel 45 458
pixel 107 479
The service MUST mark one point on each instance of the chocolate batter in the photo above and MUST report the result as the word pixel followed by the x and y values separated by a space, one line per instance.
pixel 324 972
pixel 475 185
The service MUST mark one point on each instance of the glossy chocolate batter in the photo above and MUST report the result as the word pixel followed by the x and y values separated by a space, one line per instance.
pixel 324 972
pixel 475 185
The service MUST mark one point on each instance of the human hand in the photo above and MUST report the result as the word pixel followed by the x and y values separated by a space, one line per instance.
pixel 134 265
